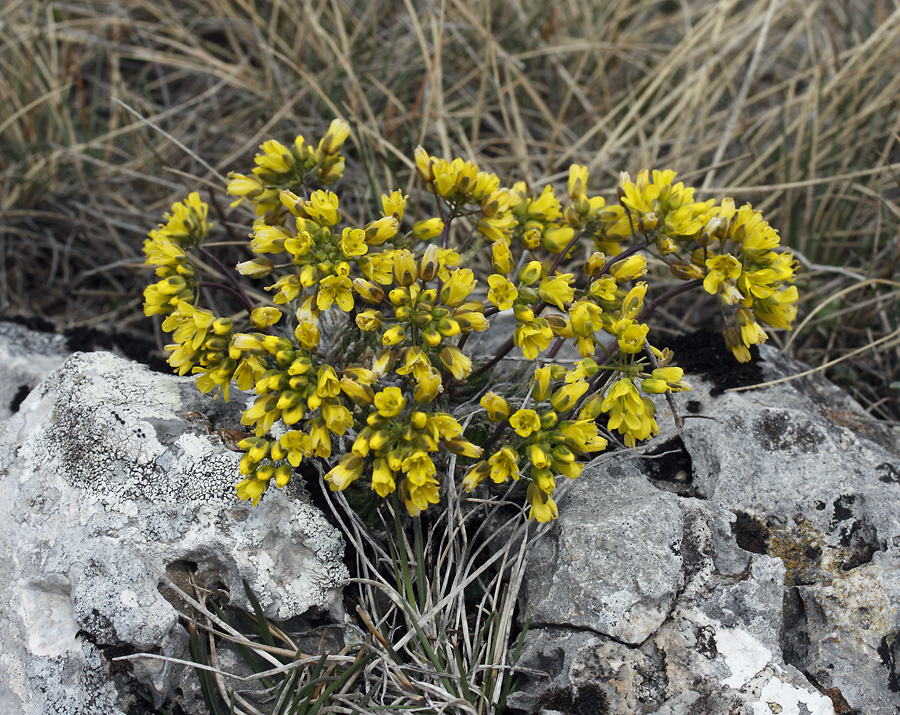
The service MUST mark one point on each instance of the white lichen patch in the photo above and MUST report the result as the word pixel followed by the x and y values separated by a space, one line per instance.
pixel 786 699
pixel 744 655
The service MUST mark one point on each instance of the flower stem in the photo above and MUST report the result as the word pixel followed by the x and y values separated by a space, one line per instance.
pixel 559 259
pixel 498 356
pixel 622 256
pixel 240 295
pixel 656 302
pixel 238 288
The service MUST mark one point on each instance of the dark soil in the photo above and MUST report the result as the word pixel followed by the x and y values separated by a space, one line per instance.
pixel 706 354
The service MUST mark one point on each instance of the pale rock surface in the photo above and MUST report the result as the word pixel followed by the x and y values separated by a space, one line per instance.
pixel 27 357
pixel 109 475
pixel 781 517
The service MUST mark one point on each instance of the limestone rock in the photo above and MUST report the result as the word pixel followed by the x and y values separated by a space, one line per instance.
pixel 109 475
pixel 613 565
pixel 784 596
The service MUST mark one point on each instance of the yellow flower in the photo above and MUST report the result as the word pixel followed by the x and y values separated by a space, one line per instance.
pixel 524 422
pixel 751 331
pixel 476 475
pixel 456 362
pixel 665 379
pixel 393 335
pixel 628 413
pixel 382 478
pixel 585 317
pixel 424 165
pixel 328 384
pixel 160 251
pixel 368 291
pixel 556 238
pixel 723 270
pixel 541 387
pixel 533 337
pixel 428 386
pixel 345 472
pixel 565 397
pixel 498 227
pixel 504 464
pixel 251 489
pixel 275 157
pixel 530 273
pixel 736 345
pixel 288 288
pixel 244 185
pixel 297 445
pixel 353 242
pixel 779 309
pixel 335 289
pixel 497 407
pixel 405 269
pixel 378 267
pixel 462 447
pixel 502 293
pixel 394 204
pixel 418 467
pixel 323 207
pixel 632 336
pixel 595 264
pixel 390 402
pixel 337 417
pixel 501 258
pixel 557 290
pixel 457 288
pixel 319 439
pixel 544 207
pixel 543 508
pixel 265 316
pixel 578 179
pixel 415 363
pixel 416 498
pixel 603 289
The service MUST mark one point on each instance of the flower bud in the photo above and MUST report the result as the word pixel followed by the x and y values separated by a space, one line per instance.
pixel 428 266
pixel 405 269
pixel 368 291
pixel 335 137
pixel 393 335
pixel 257 268
pixel 428 228
pixel 424 165
pixel 497 407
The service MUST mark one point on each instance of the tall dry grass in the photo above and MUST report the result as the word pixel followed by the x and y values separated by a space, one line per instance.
pixel 112 110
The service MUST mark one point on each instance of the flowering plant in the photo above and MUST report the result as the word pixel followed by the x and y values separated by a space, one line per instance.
pixel 566 267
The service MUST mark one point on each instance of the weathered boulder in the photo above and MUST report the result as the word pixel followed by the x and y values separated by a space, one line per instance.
pixel 779 538
pixel 110 475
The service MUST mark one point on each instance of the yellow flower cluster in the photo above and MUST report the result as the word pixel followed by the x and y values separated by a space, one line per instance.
pixel 548 441
pixel 279 167
pixel 384 408
pixel 185 228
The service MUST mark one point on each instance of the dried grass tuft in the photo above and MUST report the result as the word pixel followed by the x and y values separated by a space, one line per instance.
pixel 792 106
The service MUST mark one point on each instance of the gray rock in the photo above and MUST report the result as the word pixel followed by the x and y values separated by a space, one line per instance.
pixel 27 358
pixel 784 596
pixel 614 564
pixel 109 475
